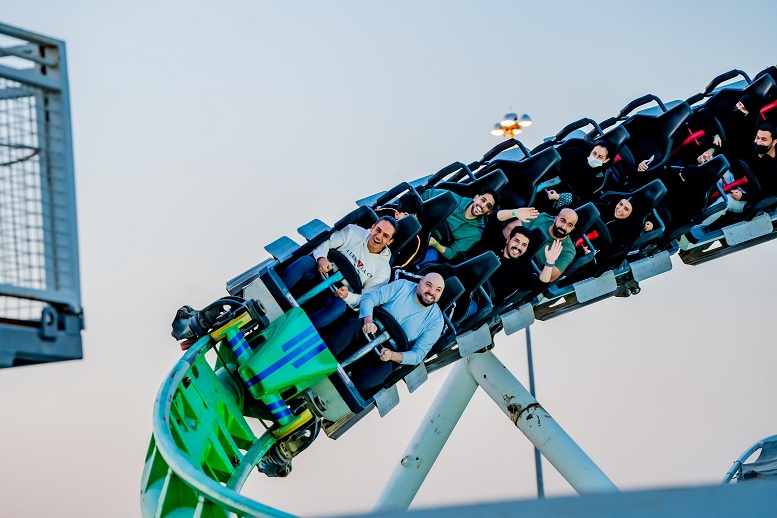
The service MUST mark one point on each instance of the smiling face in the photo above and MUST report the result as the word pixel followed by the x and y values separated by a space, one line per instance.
pixel 564 223
pixel 516 246
pixel 482 205
pixel 623 209
pixel 430 289
pixel 381 235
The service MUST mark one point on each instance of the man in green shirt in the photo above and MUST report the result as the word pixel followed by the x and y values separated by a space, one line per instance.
pixel 466 224
pixel 555 229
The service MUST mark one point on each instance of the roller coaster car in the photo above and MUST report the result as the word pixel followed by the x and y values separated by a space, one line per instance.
pixel 278 368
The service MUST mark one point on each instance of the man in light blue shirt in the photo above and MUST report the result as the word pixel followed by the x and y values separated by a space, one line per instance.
pixel 414 307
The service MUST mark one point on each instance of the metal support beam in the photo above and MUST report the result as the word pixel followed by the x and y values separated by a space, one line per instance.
pixel 538 426
pixel 428 441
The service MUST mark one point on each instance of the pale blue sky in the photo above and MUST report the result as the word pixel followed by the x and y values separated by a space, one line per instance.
pixel 205 130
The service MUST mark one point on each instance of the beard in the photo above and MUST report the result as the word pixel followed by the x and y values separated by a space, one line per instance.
pixel 423 301
pixel 558 232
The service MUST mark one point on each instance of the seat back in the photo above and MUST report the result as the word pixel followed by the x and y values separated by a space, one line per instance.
pixel 523 177
pixel 703 180
pixel 653 135
pixel 472 273
pixel 453 290
pixel 408 229
pixel 586 216
pixel 436 210
pixel 495 180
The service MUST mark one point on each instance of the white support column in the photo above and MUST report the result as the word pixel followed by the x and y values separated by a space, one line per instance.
pixel 428 441
pixel 540 428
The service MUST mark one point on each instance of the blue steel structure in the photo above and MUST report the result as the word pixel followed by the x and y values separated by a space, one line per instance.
pixel 41 317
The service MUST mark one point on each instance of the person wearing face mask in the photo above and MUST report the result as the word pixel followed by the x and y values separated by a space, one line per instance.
pixel 581 172
pixel 764 167
pixel 764 162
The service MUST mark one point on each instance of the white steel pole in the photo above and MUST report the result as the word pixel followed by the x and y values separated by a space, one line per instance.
pixel 410 473
pixel 538 426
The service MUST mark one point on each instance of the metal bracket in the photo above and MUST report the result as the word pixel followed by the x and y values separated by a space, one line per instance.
pixel 386 399
pixel 473 341
pixel 282 248
pixel 416 377
pixel 334 408
pixel 651 266
pixel 258 291
pixel 739 233
pixel 517 319
pixel 313 228
pixel 595 287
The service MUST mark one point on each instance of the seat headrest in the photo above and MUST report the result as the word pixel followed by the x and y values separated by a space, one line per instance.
pixel 409 227
pixel 586 215
pixel 453 290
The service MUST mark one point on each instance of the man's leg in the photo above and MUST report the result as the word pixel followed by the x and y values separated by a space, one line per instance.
pixel 333 309
pixel 369 379
pixel 342 339
pixel 302 268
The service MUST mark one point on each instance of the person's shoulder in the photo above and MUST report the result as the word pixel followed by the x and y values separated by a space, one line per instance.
pixel 356 230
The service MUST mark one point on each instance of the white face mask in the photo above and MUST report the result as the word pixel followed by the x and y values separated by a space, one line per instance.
pixel 594 162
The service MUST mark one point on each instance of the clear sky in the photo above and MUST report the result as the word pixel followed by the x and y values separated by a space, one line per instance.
pixel 205 130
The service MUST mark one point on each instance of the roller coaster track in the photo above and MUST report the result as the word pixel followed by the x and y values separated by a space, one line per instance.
pixel 203 448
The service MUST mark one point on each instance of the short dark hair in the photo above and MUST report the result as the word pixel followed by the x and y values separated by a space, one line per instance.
pixel 391 221
pixel 492 192
pixel 768 126
pixel 609 146
pixel 411 203
pixel 520 230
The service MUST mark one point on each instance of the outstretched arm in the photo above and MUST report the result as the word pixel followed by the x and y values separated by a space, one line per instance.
pixel 523 214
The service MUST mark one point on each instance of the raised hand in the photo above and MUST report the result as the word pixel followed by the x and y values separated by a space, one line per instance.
pixel 553 251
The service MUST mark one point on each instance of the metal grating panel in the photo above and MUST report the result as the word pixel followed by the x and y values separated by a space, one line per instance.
pixel 38 233
pixel 22 243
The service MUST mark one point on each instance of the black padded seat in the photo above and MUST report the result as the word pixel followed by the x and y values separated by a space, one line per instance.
pixel 436 210
pixel 408 229
pixel 688 202
pixel 617 136
pixel 651 136
pixel 391 196
pixel 720 103
pixel 495 180
pixel 760 203
pixel 472 273
pixel 523 177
